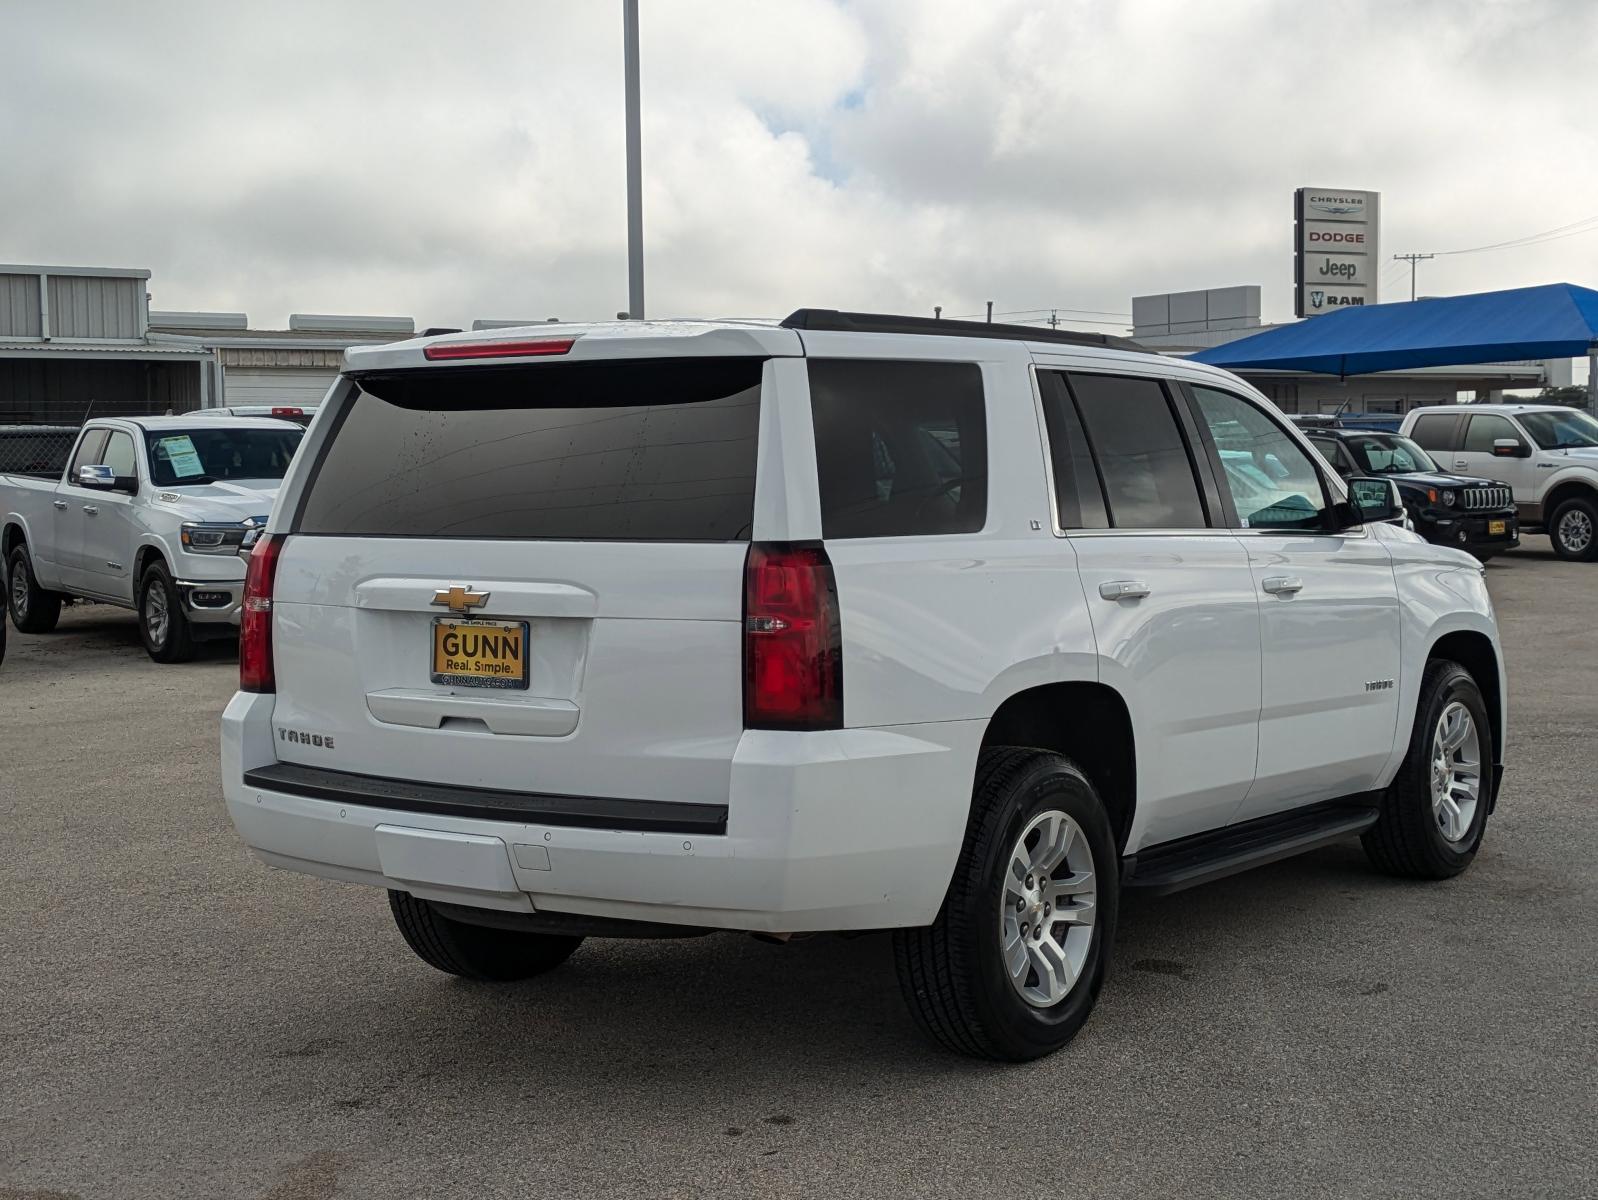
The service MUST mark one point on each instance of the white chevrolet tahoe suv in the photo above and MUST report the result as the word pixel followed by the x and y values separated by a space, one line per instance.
pixel 847 623
pixel 149 513
pixel 1546 453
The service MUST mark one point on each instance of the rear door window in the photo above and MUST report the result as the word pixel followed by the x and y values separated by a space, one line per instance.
pixel 901 447
pixel 1435 431
pixel 1078 494
pixel 1142 456
pixel 646 450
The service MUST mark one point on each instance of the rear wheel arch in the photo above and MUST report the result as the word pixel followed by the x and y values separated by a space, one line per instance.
pixel 12 536
pixel 1088 723
pixel 1473 650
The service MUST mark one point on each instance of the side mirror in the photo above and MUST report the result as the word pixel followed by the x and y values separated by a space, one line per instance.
pixel 1510 448
pixel 1372 501
pixel 102 479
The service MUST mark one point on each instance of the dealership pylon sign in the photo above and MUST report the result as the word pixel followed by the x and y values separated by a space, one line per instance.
pixel 1336 250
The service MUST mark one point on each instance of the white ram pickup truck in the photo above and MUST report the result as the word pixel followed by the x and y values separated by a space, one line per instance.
pixel 846 623
pixel 150 513
pixel 1546 453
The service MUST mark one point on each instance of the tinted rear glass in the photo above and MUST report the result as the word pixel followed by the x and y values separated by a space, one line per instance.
pixel 901 447
pixel 1435 431
pixel 654 450
pixel 1141 453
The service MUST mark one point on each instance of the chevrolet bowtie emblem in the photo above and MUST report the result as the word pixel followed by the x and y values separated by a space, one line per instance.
pixel 459 599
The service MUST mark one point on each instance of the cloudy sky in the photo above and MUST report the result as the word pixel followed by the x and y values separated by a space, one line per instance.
pixel 451 161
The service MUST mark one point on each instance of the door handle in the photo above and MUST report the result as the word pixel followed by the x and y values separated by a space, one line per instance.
pixel 92 510
pixel 1459 462
pixel 1282 585
pixel 1124 589
pixel 61 504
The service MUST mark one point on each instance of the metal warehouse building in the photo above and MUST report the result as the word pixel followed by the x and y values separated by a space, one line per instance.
pixel 80 341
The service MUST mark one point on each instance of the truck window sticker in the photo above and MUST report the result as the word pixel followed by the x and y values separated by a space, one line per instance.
pixel 180 453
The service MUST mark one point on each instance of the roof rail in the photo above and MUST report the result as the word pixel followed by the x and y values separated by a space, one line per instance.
pixel 854 322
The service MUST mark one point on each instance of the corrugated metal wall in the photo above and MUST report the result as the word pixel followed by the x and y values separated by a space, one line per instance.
pixel 19 306
pixel 37 391
pixel 92 306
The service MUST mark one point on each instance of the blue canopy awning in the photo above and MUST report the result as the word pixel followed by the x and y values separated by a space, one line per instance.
pixel 1555 320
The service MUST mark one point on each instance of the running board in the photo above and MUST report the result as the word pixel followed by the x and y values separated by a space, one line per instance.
pixel 1190 861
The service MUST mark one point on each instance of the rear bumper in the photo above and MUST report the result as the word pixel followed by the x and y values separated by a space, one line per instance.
pixel 847 829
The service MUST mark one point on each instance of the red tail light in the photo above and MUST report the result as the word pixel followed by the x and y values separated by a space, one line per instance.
pixel 255 626
pixel 793 641
pixel 540 346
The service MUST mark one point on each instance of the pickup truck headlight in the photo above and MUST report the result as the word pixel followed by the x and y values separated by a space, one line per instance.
pixel 206 537
pixel 1450 499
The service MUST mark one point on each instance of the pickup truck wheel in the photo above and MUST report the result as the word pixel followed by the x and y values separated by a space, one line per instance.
pixel 1011 968
pixel 1573 529
pixel 162 625
pixel 476 951
pixel 33 610
pixel 1435 812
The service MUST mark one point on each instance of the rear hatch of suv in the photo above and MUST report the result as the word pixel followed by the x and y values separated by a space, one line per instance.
pixel 524 575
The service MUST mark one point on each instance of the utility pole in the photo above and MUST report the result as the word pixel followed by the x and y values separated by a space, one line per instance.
pixel 1412 259
pixel 635 180
pixel 1054 319
pixel 937 312
pixel 990 312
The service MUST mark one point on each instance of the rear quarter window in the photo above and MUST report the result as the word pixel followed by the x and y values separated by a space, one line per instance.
pixel 646 450
pixel 901 447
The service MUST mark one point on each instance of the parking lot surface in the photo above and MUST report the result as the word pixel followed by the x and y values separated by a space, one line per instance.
pixel 177 1020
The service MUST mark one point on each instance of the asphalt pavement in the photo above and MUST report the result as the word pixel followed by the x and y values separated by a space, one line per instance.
pixel 177 1020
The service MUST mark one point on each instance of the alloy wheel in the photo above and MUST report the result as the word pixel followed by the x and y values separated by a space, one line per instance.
pixel 157 615
pixel 1456 772
pixel 19 590
pixel 1575 531
pixel 1047 908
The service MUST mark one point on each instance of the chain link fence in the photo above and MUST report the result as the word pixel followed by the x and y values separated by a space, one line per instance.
pixel 39 450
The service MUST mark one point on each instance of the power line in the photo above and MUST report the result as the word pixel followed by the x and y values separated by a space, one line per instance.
pixel 1587 224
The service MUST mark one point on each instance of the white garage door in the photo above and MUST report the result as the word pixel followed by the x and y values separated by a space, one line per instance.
pixel 276 385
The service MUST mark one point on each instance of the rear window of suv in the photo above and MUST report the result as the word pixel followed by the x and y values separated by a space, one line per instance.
pixel 646 450
pixel 901 447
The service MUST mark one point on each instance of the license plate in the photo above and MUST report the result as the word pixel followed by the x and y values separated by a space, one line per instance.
pixel 1495 528
pixel 490 654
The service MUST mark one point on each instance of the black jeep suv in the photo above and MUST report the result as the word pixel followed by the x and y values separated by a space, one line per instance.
pixel 1473 514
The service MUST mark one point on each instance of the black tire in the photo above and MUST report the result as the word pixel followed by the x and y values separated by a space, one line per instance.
pixel 1406 839
pixel 476 951
pixel 33 609
pixel 1566 535
pixel 174 642
pixel 952 972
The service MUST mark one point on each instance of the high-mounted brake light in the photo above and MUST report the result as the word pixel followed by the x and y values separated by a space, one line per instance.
pixel 528 349
pixel 285 410
pixel 256 669
pixel 793 640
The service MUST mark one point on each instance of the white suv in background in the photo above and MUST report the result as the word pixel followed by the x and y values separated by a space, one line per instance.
pixel 845 623
pixel 1546 453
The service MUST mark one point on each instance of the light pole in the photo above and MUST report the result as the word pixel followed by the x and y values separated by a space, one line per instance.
pixel 635 181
